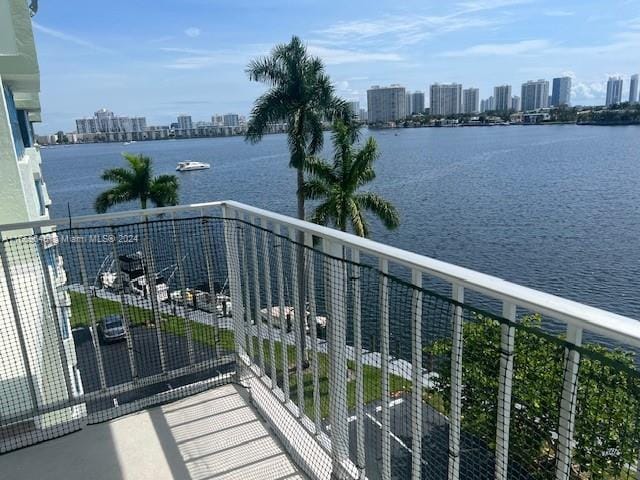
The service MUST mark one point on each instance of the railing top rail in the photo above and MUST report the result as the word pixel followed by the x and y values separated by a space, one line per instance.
pixel 591 318
pixel 106 217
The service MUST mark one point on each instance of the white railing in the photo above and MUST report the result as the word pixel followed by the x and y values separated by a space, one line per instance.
pixel 242 257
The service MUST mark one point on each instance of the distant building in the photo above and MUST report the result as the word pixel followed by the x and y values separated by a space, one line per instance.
pixel 487 105
pixel 417 102
pixel 445 99
pixel 354 106
pixel 614 91
pixel 104 121
pixel 516 104
pixel 217 120
pixel 408 107
pixel 471 100
pixel 184 122
pixel 633 89
pixel 535 95
pixel 561 92
pixel 362 115
pixel 231 120
pixel 386 104
pixel 502 98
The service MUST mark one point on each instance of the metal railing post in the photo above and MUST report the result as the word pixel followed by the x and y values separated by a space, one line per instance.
pixel 256 291
pixel 126 322
pixel 150 275
pixel 299 319
pixel 268 297
pixel 568 403
pixel 383 295
pixel 337 348
pixel 177 241
pixel 456 384
pixel 233 271
pixel 88 293
pixel 311 297
pixel 507 340
pixel 279 247
pixel 416 374
pixel 246 291
pixel 6 266
pixel 52 293
pixel 357 347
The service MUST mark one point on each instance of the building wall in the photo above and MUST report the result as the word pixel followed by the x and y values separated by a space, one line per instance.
pixel 386 104
pixel 535 95
pixel 471 100
pixel 24 197
pixel 445 99
pixel 502 98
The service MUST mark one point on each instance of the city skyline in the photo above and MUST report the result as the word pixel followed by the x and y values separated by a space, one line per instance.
pixel 192 55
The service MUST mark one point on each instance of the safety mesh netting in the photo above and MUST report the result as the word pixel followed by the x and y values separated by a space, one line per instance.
pixel 497 398
pixel 531 404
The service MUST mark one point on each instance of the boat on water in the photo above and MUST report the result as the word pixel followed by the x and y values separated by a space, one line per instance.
pixel 190 165
pixel 134 279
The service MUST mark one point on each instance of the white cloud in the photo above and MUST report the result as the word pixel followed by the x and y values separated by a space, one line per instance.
pixel 192 32
pixel 587 90
pixel 337 56
pixel 559 13
pixel 500 49
pixel 70 38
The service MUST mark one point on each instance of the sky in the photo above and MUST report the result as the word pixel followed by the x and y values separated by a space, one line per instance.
pixel 160 58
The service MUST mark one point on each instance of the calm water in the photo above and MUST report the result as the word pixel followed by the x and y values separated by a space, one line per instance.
pixel 556 207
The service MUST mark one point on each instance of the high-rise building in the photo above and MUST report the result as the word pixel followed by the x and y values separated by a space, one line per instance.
pixel 231 120
pixel 516 105
pixel 633 89
pixel 362 115
pixel 534 95
pixel 408 106
pixel 502 98
pixel 184 122
pixel 471 100
pixel 354 106
pixel 39 366
pixel 417 103
pixel 614 91
pixel 561 92
pixel 445 99
pixel 105 120
pixel 386 104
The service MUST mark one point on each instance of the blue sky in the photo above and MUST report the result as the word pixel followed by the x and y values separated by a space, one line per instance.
pixel 164 57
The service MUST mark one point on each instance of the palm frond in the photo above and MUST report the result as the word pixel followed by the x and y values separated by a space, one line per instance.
pixel 113 196
pixel 163 190
pixel 380 207
pixel 314 189
pixel 118 175
pixel 270 107
pixel 358 222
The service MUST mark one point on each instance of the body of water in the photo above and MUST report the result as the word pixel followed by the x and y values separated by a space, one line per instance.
pixel 556 208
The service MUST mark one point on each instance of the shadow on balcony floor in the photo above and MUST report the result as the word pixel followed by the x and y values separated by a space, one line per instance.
pixel 215 434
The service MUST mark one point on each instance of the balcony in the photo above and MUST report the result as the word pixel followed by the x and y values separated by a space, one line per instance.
pixel 255 345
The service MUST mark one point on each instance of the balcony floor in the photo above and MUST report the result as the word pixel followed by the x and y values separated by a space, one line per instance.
pixel 216 434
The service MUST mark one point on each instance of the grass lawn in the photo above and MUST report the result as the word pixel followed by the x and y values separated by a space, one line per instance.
pixel 209 335
pixel 205 334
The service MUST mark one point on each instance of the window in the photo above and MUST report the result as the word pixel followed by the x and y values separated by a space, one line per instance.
pixel 25 128
pixel 15 123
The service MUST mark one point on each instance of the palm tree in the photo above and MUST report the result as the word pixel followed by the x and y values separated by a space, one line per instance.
pixel 337 185
pixel 137 182
pixel 300 93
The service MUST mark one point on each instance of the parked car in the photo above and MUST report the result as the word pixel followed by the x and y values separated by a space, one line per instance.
pixel 111 328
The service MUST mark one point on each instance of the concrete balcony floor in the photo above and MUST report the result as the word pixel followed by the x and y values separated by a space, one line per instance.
pixel 215 434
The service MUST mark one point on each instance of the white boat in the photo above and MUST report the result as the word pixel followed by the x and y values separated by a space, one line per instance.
pixel 188 166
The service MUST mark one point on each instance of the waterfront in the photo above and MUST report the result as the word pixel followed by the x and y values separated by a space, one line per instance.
pixel 555 207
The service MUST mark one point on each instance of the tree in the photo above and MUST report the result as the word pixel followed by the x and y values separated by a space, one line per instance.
pixel 136 182
pixel 337 186
pixel 607 430
pixel 300 93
